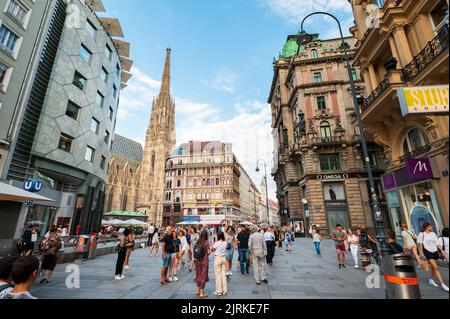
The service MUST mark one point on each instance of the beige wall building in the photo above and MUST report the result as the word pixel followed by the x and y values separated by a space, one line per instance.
pixel 318 167
pixel 406 48
pixel 204 179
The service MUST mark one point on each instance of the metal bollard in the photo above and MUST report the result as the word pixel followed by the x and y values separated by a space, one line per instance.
pixel 401 277
pixel 92 247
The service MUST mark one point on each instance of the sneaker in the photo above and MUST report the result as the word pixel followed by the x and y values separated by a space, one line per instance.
pixel 265 281
pixel 340 266
pixel 169 279
pixel 356 267
pixel 218 294
pixel 258 283
pixel 231 274
pixel 122 277
pixel 444 286
pixel 431 282
pixel 175 278
pixel 343 266
pixel 117 278
pixel 228 273
pixel 127 267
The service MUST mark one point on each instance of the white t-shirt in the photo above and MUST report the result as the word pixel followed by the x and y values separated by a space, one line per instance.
pixel 18 295
pixel 429 241
pixel 352 238
pixel 4 291
pixel 268 236
pixel 220 249
pixel 151 229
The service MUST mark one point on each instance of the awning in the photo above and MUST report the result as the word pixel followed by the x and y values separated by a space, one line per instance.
pixel 113 27
pixel 122 47
pixel 14 194
pixel 125 76
pixel 126 63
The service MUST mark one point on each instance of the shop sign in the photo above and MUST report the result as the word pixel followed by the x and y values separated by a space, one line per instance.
pixel 420 168
pixel 424 99
pixel 332 177
pixel 32 186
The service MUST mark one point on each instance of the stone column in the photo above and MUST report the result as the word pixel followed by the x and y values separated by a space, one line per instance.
pixel 373 77
pixel 394 51
pixel 367 81
pixel 402 45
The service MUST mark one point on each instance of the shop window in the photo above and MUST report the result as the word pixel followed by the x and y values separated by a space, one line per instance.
pixel 334 192
pixel 330 162
pixel 415 141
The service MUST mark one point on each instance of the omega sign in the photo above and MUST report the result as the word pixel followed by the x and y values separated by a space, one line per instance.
pixel 332 177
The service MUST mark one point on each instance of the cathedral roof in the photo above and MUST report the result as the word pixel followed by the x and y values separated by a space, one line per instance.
pixel 127 148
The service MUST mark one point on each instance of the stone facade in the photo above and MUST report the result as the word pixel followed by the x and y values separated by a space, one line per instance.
pixel 317 147
pixel 407 48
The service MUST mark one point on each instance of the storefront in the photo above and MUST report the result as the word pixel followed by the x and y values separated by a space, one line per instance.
pixel 411 194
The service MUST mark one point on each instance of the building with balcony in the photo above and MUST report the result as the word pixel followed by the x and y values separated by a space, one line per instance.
pixel 65 125
pixel 204 180
pixel 403 57
pixel 319 169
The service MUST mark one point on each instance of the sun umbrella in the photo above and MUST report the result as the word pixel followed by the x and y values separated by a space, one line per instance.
pixel 134 222
pixel 247 224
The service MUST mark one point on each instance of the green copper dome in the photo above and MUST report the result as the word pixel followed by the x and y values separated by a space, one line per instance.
pixel 290 48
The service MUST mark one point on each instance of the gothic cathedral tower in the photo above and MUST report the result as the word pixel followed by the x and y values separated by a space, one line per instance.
pixel 159 143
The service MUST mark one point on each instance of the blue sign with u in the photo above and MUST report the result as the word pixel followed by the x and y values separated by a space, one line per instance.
pixel 32 186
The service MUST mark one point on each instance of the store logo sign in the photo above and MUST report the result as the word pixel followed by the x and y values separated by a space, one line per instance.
pixel 32 186
pixel 424 100
pixel 420 168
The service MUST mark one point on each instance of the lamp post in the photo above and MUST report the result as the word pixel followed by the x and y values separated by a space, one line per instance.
pixel 267 186
pixel 306 38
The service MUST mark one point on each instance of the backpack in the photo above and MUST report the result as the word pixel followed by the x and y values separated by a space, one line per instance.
pixel 199 252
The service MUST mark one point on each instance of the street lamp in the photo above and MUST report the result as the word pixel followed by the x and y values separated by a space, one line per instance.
pixel 267 185
pixel 306 38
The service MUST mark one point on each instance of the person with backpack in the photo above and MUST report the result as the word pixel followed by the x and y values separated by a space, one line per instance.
pixel 410 243
pixel 6 267
pixel 201 256
pixel 244 254
pixel 51 245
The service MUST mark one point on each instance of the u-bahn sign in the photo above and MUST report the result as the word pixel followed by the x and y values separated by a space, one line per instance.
pixel 424 99
pixel 32 186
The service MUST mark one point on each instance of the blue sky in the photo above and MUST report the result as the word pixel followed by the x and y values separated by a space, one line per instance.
pixel 222 53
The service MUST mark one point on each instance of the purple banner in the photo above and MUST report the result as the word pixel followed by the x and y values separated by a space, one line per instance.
pixel 389 182
pixel 419 168
pixel 416 170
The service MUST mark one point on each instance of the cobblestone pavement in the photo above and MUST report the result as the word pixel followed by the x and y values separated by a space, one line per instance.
pixel 296 275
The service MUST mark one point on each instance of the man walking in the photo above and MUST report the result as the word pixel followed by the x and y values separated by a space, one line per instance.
pixel 269 237
pixel 244 257
pixel 258 248
pixel 24 274
pixel 339 238
pixel 168 250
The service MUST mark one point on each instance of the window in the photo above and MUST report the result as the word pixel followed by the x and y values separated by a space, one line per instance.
pixel 90 28
pixel 114 91
pixel 107 136
pixel 325 131
pixel 111 113
pixel 100 99
pixel 89 154
pixel 95 125
pixel 3 70
pixel 439 14
pixel 373 160
pixel 354 75
pixel 85 54
pixel 317 76
pixel 330 162
pixel 314 54
pixel 415 140
pixel 104 75
pixel 103 163
pixel 18 12
pixel 380 3
pixel 8 40
pixel 321 103
pixel 108 52
pixel 65 142
pixel 72 110
pixel 178 183
pixel 79 81
pixel 118 70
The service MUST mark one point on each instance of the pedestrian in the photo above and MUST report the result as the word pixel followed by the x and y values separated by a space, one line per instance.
pixel 410 244
pixel 26 243
pixel 176 260
pixel 230 239
pixel 167 250
pixel 244 258
pixel 269 237
pixel 24 274
pixel 277 236
pixel 288 240
pixel 258 248
pixel 201 256
pixel 443 241
pixel 125 243
pixel 317 239
pixel 184 246
pixel 430 249
pixel 394 247
pixel 51 246
pixel 194 238
pixel 281 237
pixel 6 268
pixel 154 244
pixel 130 249
pixel 339 238
pixel 220 264
pixel 353 242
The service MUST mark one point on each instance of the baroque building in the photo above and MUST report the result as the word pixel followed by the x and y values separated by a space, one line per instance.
pixel 403 56
pixel 319 170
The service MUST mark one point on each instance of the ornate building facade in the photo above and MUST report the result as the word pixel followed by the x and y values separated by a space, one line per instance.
pixel 403 56
pixel 318 159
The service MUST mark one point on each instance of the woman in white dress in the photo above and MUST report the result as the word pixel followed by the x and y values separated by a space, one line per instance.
pixel 353 241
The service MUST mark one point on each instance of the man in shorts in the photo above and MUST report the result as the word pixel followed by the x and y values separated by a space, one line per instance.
pixel 167 249
pixel 339 237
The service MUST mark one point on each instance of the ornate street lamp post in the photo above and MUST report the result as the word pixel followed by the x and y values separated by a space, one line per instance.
pixel 267 185
pixel 306 38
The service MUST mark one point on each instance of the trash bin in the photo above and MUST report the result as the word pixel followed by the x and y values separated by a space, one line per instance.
pixel 92 247
pixel 401 277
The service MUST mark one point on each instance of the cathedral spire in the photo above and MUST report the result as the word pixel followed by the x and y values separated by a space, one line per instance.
pixel 165 83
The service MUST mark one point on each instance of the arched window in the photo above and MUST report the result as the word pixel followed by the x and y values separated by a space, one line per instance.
pixel 314 54
pixel 325 131
pixel 415 140
pixel 217 182
pixel 178 183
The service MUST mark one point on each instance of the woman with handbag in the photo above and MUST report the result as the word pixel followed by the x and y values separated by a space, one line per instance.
pixel 230 239
pixel 432 251
pixel 410 245
pixel 52 244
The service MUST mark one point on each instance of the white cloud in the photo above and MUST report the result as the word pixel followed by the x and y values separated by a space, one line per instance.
pixel 224 80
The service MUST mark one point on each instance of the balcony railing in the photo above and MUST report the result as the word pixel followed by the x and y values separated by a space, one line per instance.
pixel 417 152
pixel 434 49
pixel 328 141
pixel 384 85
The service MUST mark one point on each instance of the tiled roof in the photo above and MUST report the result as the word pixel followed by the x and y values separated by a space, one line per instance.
pixel 127 148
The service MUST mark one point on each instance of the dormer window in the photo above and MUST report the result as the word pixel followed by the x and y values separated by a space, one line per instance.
pixel 314 54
